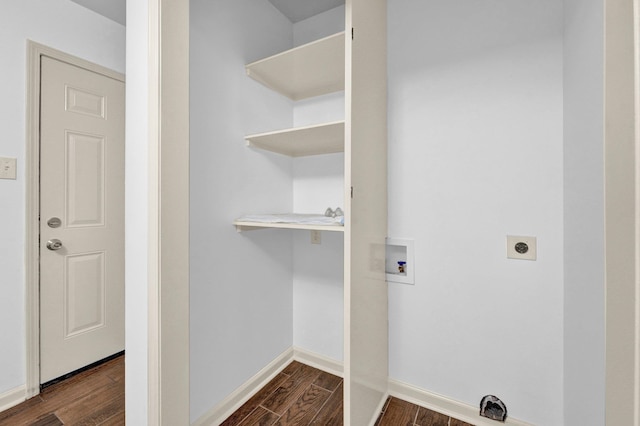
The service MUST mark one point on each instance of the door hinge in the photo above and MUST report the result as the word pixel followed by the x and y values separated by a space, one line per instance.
pixel 351 33
pixel 352 192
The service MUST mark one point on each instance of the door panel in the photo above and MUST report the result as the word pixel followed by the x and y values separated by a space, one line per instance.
pixel 83 102
pixel 85 180
pixel 84 297
pixel 82 184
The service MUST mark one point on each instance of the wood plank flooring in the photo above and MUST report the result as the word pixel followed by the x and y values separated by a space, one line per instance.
pixel 397 412
pixel 93 397
pixel 301 395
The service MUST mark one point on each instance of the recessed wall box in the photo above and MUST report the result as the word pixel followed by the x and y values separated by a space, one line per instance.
pixel 399 263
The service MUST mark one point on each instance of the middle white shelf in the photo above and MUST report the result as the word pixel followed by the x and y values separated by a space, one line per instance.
pixel 318 139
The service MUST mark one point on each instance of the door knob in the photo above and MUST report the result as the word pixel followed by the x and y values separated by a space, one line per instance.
pixel 54 244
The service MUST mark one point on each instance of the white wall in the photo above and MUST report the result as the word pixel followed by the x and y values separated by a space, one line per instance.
pixel 68 27
pixel 318 183
pixel 475 154
pixel 257 285
pixel 319 26
pixel 241 283
pixel 136 215
pixel 584 332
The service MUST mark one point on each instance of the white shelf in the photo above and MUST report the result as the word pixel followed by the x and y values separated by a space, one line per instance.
pixel 312 69
pixel 249 226
pixel 311 222
pixel 318 139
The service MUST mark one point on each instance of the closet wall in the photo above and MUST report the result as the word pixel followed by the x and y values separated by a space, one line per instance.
pixel 584 289
pixel 318 183
pixel 255 294
pixel 241 284
pixel 475 154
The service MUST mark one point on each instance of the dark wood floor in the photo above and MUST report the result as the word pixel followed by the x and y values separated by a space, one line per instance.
pixel 301 395
pixel 93 397
pixel 399 412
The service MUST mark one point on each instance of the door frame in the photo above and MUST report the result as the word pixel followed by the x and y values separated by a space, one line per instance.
pixel 158 190
pixel 35 52
pixel 622 211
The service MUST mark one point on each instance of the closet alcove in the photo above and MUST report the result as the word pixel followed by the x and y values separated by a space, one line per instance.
pixel 288 116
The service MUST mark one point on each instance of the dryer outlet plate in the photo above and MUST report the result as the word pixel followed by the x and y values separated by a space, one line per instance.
pixel 521 247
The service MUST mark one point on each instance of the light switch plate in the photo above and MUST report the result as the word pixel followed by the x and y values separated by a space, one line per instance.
pixel 519 247
pixel 7 168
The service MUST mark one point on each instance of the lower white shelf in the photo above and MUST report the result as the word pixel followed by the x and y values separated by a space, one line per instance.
pixel 310 222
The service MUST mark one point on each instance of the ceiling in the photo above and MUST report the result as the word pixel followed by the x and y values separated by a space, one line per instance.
pixel 112 9
pixel 298 10
pixel 295 10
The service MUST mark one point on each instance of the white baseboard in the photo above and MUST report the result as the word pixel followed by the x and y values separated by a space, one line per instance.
pixel 224 409
pixel 409 393
pixel 444 405
pixel 13 397
pixel 318 361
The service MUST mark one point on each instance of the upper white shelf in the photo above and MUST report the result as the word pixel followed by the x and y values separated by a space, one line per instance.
pixel 312 69
pixel 302 141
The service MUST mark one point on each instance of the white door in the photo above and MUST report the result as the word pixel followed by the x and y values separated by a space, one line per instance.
pixel 81 218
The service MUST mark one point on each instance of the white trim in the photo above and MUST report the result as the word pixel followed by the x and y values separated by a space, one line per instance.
pixel 154 372
pixel 242 394
pixel 318 361
pixel 636 50
pixel 444 405
pixel 621 213
pixel 230 404
pixel 409 393
pixel 32 224
pixel 12 397
pixel 169 213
